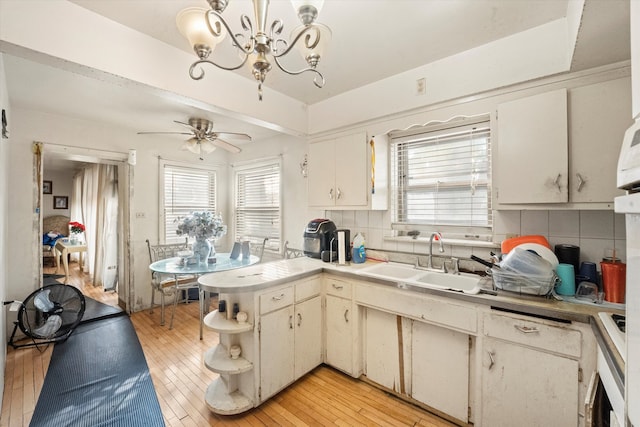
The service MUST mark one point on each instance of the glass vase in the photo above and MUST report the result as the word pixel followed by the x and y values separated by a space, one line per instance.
pixel 202 249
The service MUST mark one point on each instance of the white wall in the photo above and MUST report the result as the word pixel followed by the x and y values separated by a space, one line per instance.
pixel 62 185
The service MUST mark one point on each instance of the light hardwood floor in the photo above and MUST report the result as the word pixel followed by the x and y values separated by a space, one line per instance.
pixel 322 397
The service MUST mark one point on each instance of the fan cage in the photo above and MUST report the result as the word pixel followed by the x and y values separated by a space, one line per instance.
pixel 66 301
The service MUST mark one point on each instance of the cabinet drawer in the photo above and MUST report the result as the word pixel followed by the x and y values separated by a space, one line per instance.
pixel 535 334
pixel 412 304
pixel 273 300
pixel 337 288
pixel 308 288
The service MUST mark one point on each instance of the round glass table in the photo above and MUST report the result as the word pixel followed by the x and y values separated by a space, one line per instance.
pixel 224 262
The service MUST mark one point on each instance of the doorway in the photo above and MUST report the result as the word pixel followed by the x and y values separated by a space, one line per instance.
pixel 79 172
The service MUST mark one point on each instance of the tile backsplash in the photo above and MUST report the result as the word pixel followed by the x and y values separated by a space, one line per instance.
pixel 594 231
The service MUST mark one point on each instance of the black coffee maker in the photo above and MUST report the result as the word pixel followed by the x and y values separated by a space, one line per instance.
pixel 317 237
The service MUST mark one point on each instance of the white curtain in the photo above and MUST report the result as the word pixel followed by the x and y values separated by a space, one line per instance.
pixel 95 204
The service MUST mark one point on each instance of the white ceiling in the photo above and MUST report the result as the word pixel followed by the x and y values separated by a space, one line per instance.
pixel 372 40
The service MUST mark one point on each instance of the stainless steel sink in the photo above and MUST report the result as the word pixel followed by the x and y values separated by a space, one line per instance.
pixel 406 274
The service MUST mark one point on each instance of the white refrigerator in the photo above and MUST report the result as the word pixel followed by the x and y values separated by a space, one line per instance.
pixel 629 205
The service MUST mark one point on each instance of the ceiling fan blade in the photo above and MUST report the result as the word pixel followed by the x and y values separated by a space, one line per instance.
pixel 165 133
pixel 182 123
pixel 225 145
pixel 233 135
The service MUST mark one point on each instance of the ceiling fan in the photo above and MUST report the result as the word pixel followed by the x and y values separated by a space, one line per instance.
pixel 204 140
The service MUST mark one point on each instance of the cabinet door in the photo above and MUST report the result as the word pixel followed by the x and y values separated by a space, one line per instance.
pixel 531 163
pixel 440 369
pixel 339 334
pixel 321 174
pixel 383 350
pixel 525 386
pixel 276 351
pixel 352 174
pixel 308 335
pixel 600 114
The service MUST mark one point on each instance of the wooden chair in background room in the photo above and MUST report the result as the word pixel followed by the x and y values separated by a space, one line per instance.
pixel 169 284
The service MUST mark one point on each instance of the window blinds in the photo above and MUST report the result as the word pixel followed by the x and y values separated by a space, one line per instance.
pixel 186 190
pixel 258 204
pixel 442 177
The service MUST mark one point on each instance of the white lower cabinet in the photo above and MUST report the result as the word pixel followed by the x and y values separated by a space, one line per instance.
pixel 341 319
pixel 308 336
pixel 276 351
pixel 339 334
pixel 440 369
pixel 290 335
pixel 531 373
pixel 383 350
pixel 528 386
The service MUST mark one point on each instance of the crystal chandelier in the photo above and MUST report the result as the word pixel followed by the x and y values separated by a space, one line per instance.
pixel 205 28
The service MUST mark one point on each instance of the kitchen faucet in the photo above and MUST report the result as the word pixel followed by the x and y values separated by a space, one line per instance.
pixel 429 260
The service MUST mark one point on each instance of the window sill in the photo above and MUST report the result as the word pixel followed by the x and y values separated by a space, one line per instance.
pixel 451 242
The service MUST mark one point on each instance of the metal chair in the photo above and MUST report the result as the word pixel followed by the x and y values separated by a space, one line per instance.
pixel 288 252
pixel 168 284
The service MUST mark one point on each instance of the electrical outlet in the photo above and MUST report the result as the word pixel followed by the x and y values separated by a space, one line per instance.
pixel 140 215
pixel 421 86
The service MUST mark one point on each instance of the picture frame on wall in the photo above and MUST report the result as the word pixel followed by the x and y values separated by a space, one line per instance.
pixel 60 202
pixel 47 187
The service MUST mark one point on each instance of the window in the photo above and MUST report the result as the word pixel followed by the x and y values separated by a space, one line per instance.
pixel 186 189
pixel 441 176
pixel 257 203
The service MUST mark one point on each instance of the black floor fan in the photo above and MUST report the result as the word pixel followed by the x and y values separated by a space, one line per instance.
pixel 50 314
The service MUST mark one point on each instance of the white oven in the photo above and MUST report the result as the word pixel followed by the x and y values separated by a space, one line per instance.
pixel 606 402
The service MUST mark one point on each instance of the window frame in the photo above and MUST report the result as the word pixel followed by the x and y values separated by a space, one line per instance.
pixel 429 131
pixel 241 167
pixel 162 196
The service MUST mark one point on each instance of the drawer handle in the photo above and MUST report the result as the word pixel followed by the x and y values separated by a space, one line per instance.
pixel 346 315
pixel 491 359
pixel 581 182
pixel 299 319
pixel 277 297
pixel 290 321
pixel 331 194
pixel 338 287
pixel 527 329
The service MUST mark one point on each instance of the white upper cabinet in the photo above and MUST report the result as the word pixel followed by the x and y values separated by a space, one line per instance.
pixel 560 149
pixel 599 114
pixel 531 163
pixel 348 172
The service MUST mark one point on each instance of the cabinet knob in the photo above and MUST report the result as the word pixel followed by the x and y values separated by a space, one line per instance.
pixel 491 359
pixel 331 194
pixel 338 193
pixel 346 315
pixel 338 287
pixel 299 319
pixel 290 321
